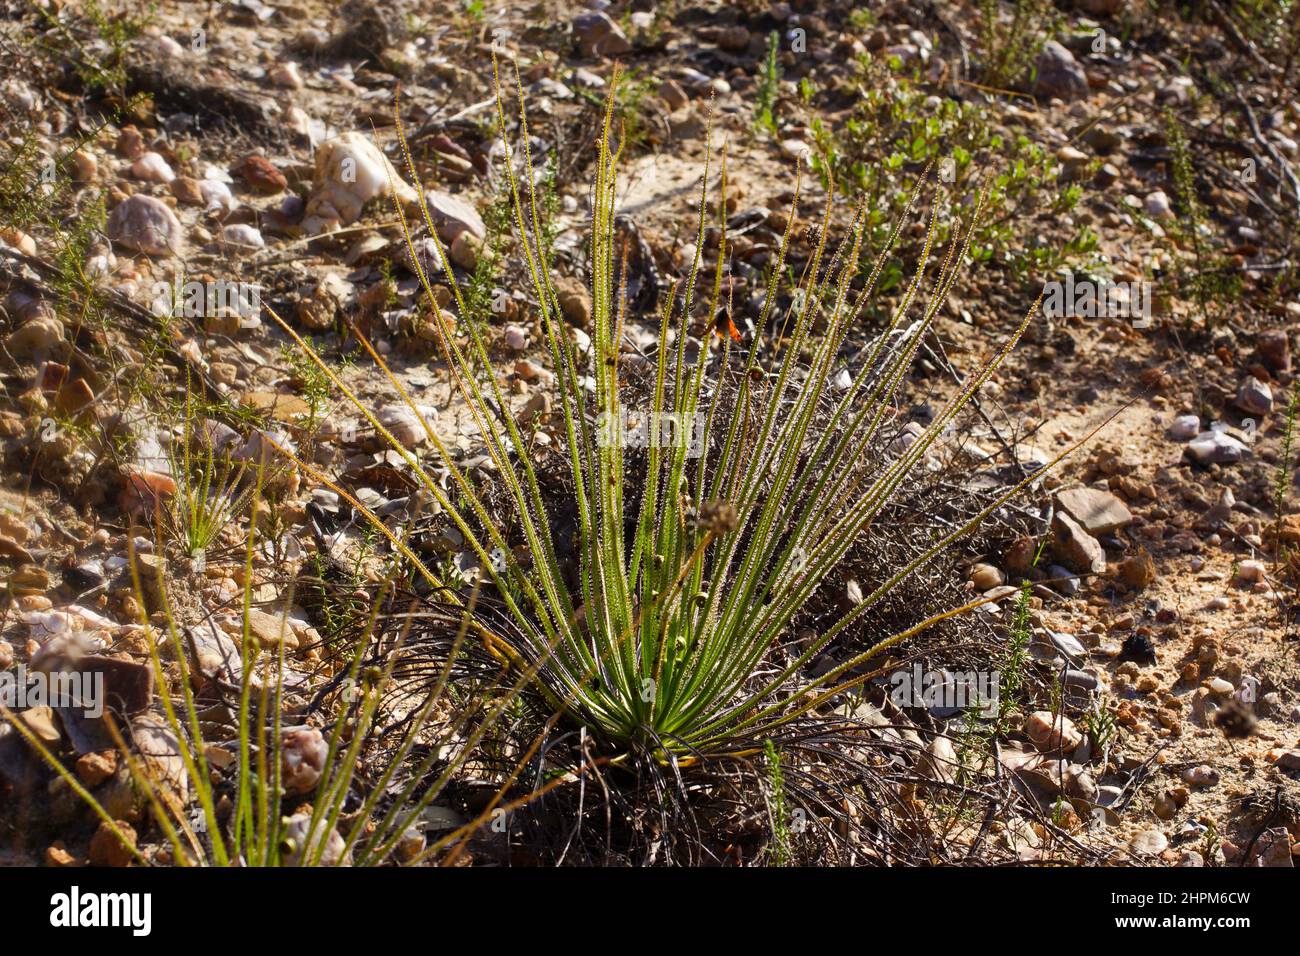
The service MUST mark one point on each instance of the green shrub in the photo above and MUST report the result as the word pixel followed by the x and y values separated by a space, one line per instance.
pixel 897 126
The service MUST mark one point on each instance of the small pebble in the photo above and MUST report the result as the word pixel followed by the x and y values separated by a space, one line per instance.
pixel 516 338
pixel 1157 205
pixel 152 168
pixel 1250 571
pixel 1149 843
pixel 242 234
pixel 286 75
pixel 1185 428
pixel 986 577
pixel 1254 397
pixel 216 195
pixel 146 225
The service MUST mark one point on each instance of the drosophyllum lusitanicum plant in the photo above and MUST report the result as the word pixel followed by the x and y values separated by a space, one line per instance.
pixel 675 641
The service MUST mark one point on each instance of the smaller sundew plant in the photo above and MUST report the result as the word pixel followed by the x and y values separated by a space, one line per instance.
pixel 672 636
pixel 211 488
pixel 238 795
